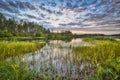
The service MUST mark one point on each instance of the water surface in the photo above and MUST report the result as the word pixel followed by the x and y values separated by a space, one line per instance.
pixel 57 58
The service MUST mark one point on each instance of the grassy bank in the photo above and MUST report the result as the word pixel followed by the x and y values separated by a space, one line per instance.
pixel 17 71
pixel 9 48
pixel 104 55
pixel 23 38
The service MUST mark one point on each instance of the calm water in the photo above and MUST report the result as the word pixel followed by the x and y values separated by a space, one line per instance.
pixel 57 58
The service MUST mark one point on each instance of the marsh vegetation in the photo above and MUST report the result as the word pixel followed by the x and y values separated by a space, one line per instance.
pixel 104 55
pixel 10 70
pixel 83 59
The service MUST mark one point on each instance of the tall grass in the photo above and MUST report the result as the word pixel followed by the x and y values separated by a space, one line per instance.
pixel 8 49
pixel 104 55
pixel 16 71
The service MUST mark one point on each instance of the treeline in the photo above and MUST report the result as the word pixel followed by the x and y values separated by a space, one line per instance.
pixel 87 35
pixel 11 27
pixel 65 36
pixel 95 35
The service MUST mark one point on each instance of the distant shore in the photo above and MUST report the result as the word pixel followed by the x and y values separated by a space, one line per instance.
pixel 75 31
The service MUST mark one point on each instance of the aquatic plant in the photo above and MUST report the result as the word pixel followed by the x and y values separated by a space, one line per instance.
pixel 12 48
pixel 103 56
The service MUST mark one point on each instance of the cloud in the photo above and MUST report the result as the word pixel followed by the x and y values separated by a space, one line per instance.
pixel 66 14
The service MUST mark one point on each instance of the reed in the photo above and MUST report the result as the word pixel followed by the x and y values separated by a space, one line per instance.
pixel 9 49
pixel 104 55
pixel 98 60
pixel 10 70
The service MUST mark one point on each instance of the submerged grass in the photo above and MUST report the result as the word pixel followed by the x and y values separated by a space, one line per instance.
pixel 104 55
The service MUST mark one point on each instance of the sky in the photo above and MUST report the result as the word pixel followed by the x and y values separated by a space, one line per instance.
pixel 92 15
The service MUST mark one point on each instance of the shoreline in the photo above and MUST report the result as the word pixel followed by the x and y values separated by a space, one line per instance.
pixel 106 32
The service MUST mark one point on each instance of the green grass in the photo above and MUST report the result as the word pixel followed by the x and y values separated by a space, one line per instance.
pixel 104 54
pixel 8 49
pixel 23 38
pixel 17 71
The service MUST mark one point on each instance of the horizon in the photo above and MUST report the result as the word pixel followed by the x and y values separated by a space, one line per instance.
pixel 76 31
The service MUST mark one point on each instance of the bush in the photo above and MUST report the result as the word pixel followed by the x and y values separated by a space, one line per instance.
pixel 5 34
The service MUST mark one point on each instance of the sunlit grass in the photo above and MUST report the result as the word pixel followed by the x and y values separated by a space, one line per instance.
pixel 104 55
pixel 16 71
pixel 8 49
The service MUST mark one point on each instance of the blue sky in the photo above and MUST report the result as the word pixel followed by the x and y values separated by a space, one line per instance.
pixel 68 14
